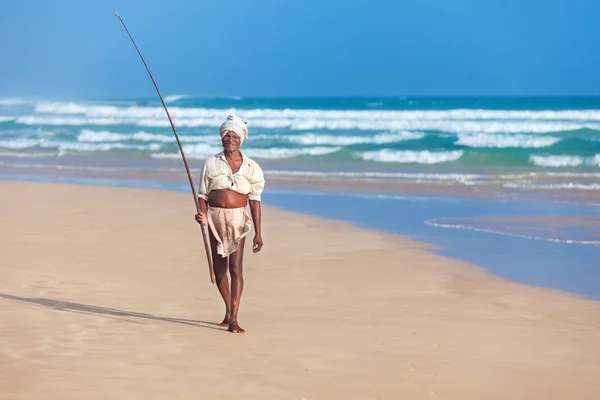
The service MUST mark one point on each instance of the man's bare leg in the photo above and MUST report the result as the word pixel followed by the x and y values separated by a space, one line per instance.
pixel 237 286
pixel 220 268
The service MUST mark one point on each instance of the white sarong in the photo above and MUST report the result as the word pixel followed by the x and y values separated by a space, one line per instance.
pixel 229 226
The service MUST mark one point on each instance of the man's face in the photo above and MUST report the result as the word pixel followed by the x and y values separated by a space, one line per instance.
pixel 230 141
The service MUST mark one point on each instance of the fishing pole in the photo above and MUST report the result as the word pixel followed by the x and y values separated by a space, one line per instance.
pixel 204 235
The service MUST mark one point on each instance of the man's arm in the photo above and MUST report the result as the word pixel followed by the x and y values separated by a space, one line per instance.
pixel 203 205
pixel 255 210
pixel 201 218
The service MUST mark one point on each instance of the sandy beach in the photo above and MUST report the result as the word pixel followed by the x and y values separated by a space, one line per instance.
pixel 105 293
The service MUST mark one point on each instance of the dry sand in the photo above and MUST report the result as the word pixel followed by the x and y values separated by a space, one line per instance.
pixel 105 294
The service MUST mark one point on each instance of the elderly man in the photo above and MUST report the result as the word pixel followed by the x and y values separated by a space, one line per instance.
pixel 228 182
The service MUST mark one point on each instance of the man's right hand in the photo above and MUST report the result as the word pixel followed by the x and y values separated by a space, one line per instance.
pixel 201 218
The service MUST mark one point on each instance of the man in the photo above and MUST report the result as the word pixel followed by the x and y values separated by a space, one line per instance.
pixel 229 181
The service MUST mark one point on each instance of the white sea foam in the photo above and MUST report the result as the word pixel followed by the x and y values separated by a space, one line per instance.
pixel 441 223
pixel 456 121
pixel 288 153
pixel 175 97
pixel 66 121
pixel 376 174
pixel 24 155
pixel 503 141
pixel 19 143
pixel 571 174
pixel 317 139
pixel 557 161
pixel 553 186
pixel 193 151
pixel 455 114
pixel 454 126
pixel 88 135
pixel 90 147
pixel 408 156
pixel 201 151
pixel 6 118
pixel 466 179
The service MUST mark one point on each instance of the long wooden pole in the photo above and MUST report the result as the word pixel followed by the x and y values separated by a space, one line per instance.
pixel 203 227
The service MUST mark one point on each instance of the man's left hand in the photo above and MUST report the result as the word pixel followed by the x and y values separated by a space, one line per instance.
pixel 257 244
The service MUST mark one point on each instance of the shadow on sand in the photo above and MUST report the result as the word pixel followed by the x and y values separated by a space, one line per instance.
pixel 109 312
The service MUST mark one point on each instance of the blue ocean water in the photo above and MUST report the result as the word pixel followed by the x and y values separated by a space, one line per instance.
pixel 466 141
pixel 565 265
pixel 571 267
pixel 534 144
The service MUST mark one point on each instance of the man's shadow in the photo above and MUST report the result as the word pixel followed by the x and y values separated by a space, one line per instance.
pixel 87 309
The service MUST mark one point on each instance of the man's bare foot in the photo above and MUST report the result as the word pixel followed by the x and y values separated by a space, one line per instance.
pixel 225 323
pixel 235 328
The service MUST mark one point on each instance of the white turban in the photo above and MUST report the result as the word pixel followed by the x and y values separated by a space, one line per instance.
pixel 236 125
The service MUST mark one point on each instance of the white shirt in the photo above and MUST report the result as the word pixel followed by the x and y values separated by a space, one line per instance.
pixel 217 174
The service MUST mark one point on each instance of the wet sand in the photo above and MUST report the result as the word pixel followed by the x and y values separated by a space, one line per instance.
pixel 176 175
pixel 105 293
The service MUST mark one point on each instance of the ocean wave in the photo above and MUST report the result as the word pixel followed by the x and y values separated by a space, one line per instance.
pixel 457 121
pixel 443 223
pixel 384 138
pixel 456 114
pixel 406 176
pixel 65 121
pixel 408 156
pixel 482 140
pixel 24 155
pixel 564 160
pixel 202 151
pixel 6 118
pixel 193 151
pixel 175 97
pixel 88 135
pixel 445 125
pixel 295 124
pixel 19 143
pixel 553 186
pixel 91 147
pixel 62 146
pixel 571 174
pixel 286 152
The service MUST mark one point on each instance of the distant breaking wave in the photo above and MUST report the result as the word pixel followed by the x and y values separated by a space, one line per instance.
pixel 407 156
pixel 345 134
pixel 175 97
pixel 482 140
pixel 564 160
pixel 202 151
pixel 447 223
pixel 464 114
pixel 456 121
pixel 366 124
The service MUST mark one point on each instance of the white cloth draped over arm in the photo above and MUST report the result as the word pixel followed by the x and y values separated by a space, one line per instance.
pixel 203 188
pixel 257 182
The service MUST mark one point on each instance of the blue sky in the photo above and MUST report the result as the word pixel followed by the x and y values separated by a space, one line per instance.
pixel 75 49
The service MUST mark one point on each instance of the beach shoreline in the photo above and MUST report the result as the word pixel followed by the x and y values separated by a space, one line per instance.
pixel 105 293
pixel 278 179
pixel 450 217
